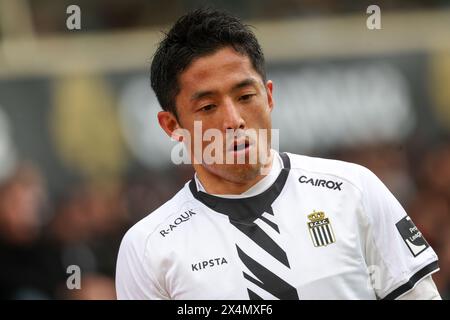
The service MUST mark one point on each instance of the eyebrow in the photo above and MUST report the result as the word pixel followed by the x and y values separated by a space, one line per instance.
pixel 244 83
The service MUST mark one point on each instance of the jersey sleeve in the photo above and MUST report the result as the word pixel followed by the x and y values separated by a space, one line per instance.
pixel 425 290
pixel 134 279
pixel 397 255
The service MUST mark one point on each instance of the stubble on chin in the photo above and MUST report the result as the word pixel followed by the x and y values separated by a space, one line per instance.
pixel 237 173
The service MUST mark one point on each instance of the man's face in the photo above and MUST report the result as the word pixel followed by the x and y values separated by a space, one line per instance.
pixel 224 92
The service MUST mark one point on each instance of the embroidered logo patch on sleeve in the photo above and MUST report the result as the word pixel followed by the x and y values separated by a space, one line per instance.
pixel 413 238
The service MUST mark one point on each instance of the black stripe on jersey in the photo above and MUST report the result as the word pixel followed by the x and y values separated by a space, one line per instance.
pixel 245 209
pixel 253 296
pixel 270 210
pixel 266 279
pixel 270 223
pixel 419 275
pixel 254 232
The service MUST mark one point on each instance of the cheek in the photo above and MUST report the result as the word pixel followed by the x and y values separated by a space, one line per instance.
pixel 198 138
pixel 262 103
pixel 260 115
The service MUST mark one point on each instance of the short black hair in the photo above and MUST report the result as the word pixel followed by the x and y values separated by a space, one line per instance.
pixel 196 34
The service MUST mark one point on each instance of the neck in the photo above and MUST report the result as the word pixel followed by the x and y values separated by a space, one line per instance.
pixel 216 184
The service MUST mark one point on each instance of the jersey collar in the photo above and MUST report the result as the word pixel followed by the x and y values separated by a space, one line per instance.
pixel 245 209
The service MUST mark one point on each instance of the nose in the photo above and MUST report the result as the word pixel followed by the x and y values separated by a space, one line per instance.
pixel 232 118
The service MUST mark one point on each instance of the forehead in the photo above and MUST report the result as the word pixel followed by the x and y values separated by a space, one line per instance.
pixel 224 67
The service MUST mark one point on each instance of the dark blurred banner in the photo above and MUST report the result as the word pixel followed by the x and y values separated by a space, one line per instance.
pixel 103 125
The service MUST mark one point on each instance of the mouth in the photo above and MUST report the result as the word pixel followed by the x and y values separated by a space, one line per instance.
pixel 240 146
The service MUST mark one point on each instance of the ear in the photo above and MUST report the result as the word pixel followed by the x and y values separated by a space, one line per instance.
pixel 269 88
pixel 169 124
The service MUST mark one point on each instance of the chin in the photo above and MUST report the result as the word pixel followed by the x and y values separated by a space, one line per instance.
pixel 237 172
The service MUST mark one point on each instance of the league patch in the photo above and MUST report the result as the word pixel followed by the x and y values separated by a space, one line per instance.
pixel 413 238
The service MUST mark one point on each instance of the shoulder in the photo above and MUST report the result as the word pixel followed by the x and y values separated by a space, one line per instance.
pixel 139 234
pixel 352 173
pixel 375 199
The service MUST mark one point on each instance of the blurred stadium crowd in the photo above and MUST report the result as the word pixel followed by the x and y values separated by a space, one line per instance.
pixel 50 220
pixel 41 236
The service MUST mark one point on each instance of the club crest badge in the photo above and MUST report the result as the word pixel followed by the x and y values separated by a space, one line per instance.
pixel 320 229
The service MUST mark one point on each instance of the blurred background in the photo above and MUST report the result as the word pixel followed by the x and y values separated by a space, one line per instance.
pixel 82 157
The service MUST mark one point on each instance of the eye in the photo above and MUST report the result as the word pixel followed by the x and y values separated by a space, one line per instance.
pixel 247 97
pixel 208 107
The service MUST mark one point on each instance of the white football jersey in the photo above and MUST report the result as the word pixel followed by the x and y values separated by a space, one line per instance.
pixel 324 229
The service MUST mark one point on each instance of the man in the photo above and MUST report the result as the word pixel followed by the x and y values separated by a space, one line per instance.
pixel 281 227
